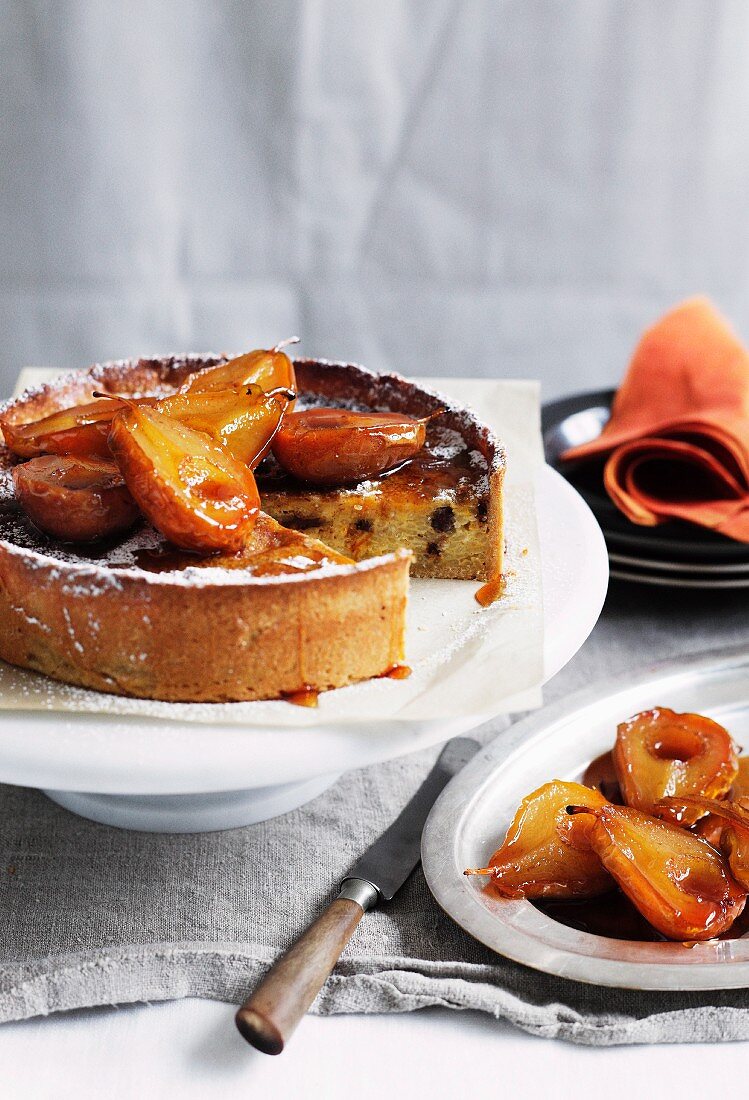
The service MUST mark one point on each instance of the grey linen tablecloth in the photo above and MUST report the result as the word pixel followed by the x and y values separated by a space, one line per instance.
pixel 91 915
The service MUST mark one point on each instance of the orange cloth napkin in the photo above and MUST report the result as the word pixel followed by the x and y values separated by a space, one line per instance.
pixel 678 437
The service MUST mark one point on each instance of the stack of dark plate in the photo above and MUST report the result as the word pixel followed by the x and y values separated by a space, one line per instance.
pixel 674 554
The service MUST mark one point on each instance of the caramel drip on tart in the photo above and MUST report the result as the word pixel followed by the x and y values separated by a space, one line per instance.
pixel 306 696
pixel 398 671
pixel 492 590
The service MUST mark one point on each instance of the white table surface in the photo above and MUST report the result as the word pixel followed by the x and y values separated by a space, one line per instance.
pixel 191 1049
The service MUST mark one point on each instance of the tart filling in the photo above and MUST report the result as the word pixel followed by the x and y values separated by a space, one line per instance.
pixel 436 504
pixel 444 504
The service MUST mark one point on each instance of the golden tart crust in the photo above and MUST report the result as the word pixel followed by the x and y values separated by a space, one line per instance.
pixel 288 613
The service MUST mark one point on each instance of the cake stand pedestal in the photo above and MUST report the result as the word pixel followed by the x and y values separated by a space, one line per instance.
pixel 192 813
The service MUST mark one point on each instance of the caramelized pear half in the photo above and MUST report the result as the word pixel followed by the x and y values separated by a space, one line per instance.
pixel 270 369
pixel 245 420
pixel 338 446
pixel 74 499
pixel 189 486
pixel 735 843
pixel 711 828
pixel 678 881
pixel 733 835
pixel 545 853
pixel 740 788
pixel 660 754
pixel 79 430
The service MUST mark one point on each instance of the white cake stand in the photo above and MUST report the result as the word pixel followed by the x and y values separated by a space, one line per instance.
pixel 143 773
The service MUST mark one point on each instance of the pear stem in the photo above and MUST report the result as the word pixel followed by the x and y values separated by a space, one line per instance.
pixel 281 391
pixel 479 871
pixel 115 397
pixel 579 810
pixel 285 343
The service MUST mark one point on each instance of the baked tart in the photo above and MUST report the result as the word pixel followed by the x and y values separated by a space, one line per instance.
pixel 140 555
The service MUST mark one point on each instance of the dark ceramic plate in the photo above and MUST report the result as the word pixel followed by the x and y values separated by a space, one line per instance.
pixel 580 418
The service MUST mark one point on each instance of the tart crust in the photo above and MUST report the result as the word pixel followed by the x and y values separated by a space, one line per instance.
pixel 200 637
pixel 215 629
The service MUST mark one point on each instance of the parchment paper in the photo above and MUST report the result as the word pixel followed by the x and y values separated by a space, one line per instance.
pixel 466 660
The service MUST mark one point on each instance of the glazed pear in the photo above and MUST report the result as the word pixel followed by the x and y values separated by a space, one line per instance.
pixel 270 369
pixel 79 430
pixel 710 827
pixel 740 788
pixel 660 754
pixel 245 419
pixel 188 485
pixel 338 446
pixel 545 853
pixel 733 838
pixel 73 498
pixel 677 880
pixel 735 843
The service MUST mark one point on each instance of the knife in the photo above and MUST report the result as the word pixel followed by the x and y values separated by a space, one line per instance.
pixel 268 1017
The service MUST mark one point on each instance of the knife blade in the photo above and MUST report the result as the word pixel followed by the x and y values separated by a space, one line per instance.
pixel 393 856
pixel 269 1015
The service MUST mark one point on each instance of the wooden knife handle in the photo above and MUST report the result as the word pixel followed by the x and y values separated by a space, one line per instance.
pixel 268 1017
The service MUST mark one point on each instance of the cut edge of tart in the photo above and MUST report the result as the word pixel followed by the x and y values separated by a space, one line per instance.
pixel 445 504
pixel 287 614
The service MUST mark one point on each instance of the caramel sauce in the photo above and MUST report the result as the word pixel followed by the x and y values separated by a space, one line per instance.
pixel 275 562
pixel 396 672
pixel 271 550
pixel 492 590
pixel 282 562
pixel 166 559
pixel 306 696
pixel 613 915
pixel 601 774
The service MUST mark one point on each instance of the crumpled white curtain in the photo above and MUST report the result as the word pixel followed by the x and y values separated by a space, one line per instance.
pixel 488 187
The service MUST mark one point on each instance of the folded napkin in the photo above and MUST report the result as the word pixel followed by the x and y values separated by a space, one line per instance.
pixel 678 438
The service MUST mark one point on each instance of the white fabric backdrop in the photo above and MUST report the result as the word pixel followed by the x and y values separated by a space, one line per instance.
pixel 442 186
